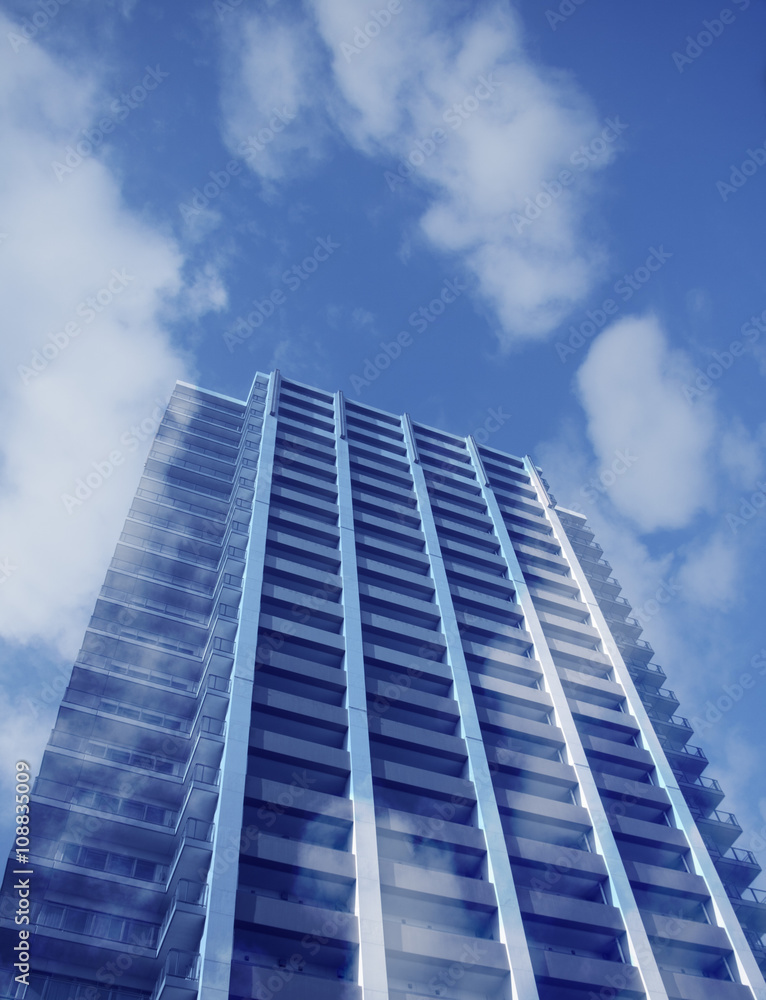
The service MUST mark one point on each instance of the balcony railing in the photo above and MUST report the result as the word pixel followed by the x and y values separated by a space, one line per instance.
pixel 156 575
pixel 124 865
pixel 757 946
pixel 174 461
pixel 716 816
pixel 182 965
pixel 617 622
pixel 131 713
pixel 97 924
pixel 627 641
pixel 678 720
pixel 147 604
pixel 171 551
pixel 209 681
pixel 614 600
pixel 589 545
pixel 140 635
pixel 191 893
pixel 186 445
pixel 188 485
pixel 194 829
pixel 656 692
pixel 212 405
pixel 737 854
pixel 653 668
pixel 701 781
pixel 609 581
pixel 602 562
pixel 197 414
pixel 747 895
pixel 166 500
pixel 689 751
pixel 117 754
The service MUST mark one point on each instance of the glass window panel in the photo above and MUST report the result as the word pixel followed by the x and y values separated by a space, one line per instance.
pixel 141 933
pixel 145 870
pixel 120 864
pixel 135 810
pixel 128 713
pixel 75 921
pixel 51 916
pixel 70 853
pixel 108 803
pixel 94 859
pixel 154 814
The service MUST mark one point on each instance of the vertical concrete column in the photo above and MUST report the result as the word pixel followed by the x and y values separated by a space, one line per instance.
pixel 748 969
pixel 373 976
pixel 512 934
pixel 640 949
pixel 218 936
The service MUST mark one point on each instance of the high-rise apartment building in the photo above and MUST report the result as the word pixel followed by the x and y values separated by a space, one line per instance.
pixel 361 715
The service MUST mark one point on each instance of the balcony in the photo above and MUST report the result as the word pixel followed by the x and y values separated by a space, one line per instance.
pixel 720 827
pixel 592 547
pixel 607 589
pixel 638 649
pixel 736 866
pixel 757 947
pixel 597 568
pixel 185 915
pixel 179 979
pixel 658 699
pixel 162 549
pixel 207 730
pixel 73 923
pixel 699 791
pixel 677 729
pixel 194 849
pixel 688 759
pixel 623 629
pixel 647 674
pixel 166 681
pixel 174 611
pixel 138 572
pixel 114 628
pixel 614 605
pixel 749 905
pixel 166 500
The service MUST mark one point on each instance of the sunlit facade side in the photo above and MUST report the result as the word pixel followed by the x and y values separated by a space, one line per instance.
pixel 361 715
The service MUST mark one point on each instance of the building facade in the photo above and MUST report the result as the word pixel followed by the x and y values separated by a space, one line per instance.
pixel 361 715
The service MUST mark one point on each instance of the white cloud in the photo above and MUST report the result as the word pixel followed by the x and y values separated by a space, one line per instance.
pixel 507 128
pixel 271 113
pixel 69 405
pixel 630 386
pixel 567 464
pixel 710 573
pixel 742 455
pixel 206 291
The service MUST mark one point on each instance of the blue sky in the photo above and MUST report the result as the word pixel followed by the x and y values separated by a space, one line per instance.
pixel 549 214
